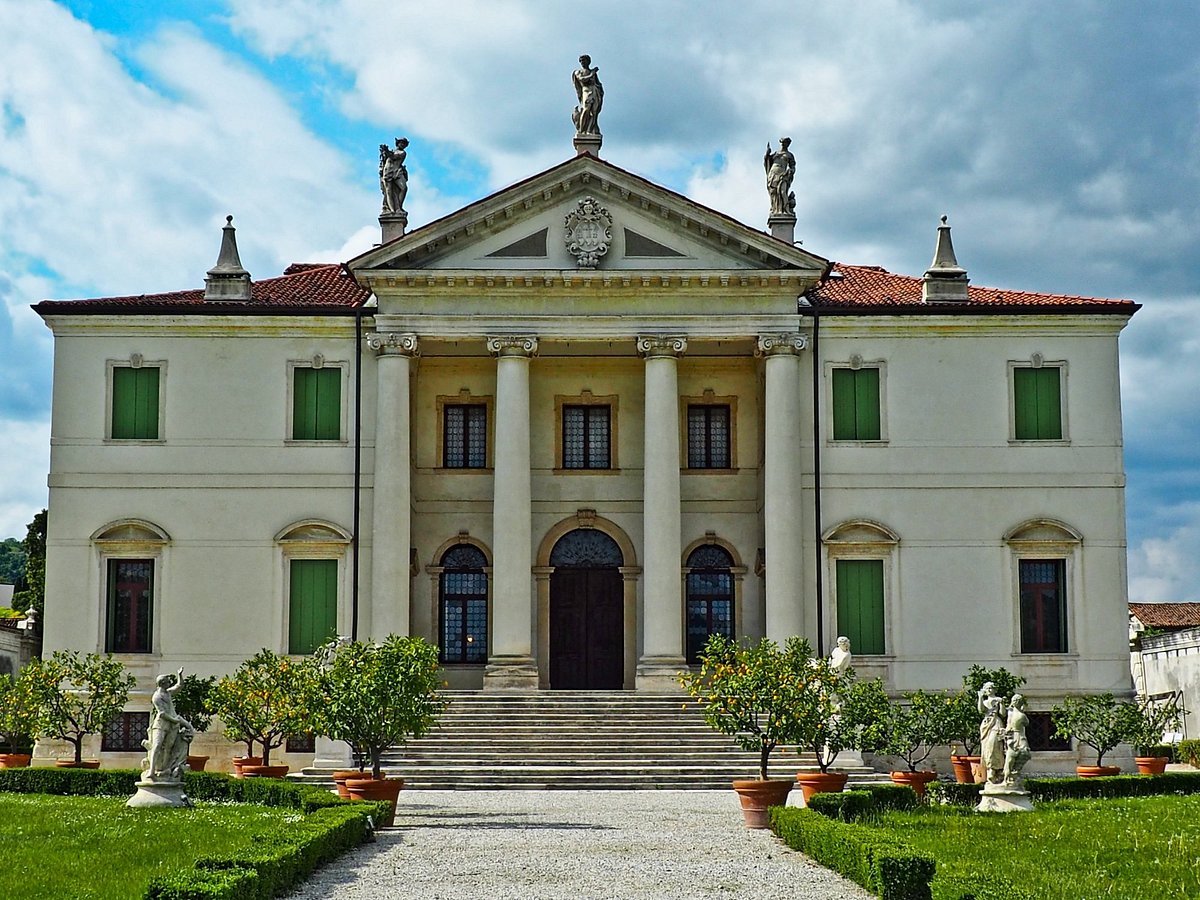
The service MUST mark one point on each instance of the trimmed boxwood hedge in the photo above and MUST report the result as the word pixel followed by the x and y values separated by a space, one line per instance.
pixel 274 861
pixel 879 863
pixel 846 805
pixel 1045 790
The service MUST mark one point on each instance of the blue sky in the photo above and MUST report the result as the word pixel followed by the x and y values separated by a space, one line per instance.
pixel 1062 138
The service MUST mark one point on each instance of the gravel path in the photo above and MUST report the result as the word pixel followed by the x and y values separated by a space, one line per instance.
pixel 576 845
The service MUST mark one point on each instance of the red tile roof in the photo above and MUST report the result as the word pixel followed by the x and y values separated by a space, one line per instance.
pixel 871 288
pixel 1167 615
pixel 308 287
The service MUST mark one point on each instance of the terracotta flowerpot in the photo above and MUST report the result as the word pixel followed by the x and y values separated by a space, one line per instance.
pixel 239 761
pixel 197 763
pixel 339 780
pixel 1097 771
pixel 14 760
pixel 820 783
pixel 71 764
pixel 915 780
pixel 368 788
pixel 252 771
pixel 1151 765
pixel 964 772
pixel 758 796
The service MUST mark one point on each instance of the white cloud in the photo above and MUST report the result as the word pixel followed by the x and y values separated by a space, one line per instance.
pixel 1167 568
pixel 24 463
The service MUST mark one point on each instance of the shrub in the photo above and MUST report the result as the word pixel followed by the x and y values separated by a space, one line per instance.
pixel 912 728
pixel 845 805
pixel 70 782
pixel 891 796
pixel 78 694
pixel 950 793
pixel 1045 789
pixel 264 701
pixel 1099 720
pixel 877 862
pixel 980 887
pixel 1151 722
pixel 234 883
pixel 1188 752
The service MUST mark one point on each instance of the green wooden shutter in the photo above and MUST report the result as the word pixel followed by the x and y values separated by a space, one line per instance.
pixel 135 403
pixel 1037 404
pixel 845 425
pixel 317 404
pixel 860 604
pixel 856 405
pixel 312 619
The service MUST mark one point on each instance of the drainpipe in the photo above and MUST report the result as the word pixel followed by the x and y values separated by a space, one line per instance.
pixel 816 422
pixel 358 314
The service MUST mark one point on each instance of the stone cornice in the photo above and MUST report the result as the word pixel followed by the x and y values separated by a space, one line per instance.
pixel 651 345
pixel 394 343
pixel 615 280
pixel 780 344
pixel 513 345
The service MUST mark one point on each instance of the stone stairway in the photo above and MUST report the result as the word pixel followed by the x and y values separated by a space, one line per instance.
pixel 581 740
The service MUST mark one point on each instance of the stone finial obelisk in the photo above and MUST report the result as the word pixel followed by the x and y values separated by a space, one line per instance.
pixel 945 280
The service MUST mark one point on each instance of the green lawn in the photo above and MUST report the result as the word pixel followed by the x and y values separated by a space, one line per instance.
pixel 95 847
pixel 1141 847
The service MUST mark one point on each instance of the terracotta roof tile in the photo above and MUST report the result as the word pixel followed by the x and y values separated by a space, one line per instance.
pixel 1167 615
pixel 304 286
pixel 870 286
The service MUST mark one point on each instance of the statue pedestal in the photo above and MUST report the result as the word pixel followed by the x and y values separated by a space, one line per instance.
pixel 782 227
pixel 392 225
pixel 589 144
pixel 159 794
pixel 1003 798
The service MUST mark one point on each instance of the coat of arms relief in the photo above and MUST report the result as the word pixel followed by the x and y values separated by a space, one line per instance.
pixel 589 232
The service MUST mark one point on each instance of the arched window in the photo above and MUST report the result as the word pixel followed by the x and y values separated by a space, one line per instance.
pixel 586 548
pixel 463 600
pixel 709 597
pixel 131 551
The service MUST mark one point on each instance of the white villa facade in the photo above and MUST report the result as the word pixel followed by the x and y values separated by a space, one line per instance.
pixel 567 467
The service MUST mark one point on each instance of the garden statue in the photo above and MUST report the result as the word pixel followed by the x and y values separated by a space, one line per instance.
pixel 393 177
pixel 781 169
pixel 841 657
pixel 1004 749
pixel 1016 744
pixel 991 732
pixel 590 93
pixel 168 740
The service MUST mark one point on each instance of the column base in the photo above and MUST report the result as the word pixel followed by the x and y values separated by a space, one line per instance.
pixel 506 673
pixel 660 674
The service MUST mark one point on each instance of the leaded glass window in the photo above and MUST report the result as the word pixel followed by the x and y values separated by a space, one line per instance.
pixel 708 440
pixel 129 601
pixel 586 548
pixel 464 436
pixel 125 733
pixel 709 597
pixel 585 437
pixel 464 605
pixel 1043 605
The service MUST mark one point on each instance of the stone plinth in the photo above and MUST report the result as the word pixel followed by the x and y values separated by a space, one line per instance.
pixel 159 794
pixel 392 225
pixel 1003 798
pixel 589 144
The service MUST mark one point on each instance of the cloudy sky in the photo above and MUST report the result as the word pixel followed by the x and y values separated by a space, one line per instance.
pixel 1062 137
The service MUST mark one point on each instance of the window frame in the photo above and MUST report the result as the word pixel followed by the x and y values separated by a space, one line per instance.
pixel 465 398
pixel 129 539
pixel 585 398
pixel 737 573
pixel 855 364
pixel 311 539
pixel 708 398
pixel 435 570
pixel 1045 539
pixel 110 601
pixel 1037 362
pixel 863 539
pixel 126 718
pixel 318 362
pixel 134 361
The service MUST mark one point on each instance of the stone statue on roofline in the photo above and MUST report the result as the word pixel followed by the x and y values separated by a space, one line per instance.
pixel 393 177
pixel 590 94
pixel 780 167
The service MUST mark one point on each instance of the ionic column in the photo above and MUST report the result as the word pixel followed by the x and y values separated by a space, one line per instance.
pixel 782 512
pixel 662 597
pixel 511 663
pixel 391 520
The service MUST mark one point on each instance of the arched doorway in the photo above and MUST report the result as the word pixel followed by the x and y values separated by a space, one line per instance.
pixel 587 622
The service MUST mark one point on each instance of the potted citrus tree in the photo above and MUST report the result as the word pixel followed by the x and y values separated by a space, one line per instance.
pixel 912 728
pixel 191 702
pixel 757 694
pixel 374 696
pixel 965 717
pixel 19 712
pixel 1153 720
pixel 78 694
pixel 264 702
pixel 1100 721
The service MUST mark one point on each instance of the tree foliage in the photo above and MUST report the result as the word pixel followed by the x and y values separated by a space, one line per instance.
pixel 191 701
pixel 373 696
pixel 265 701
pixel 78 694
pixel 1154 719
pixel 34 545
pixel 912 727
pixel 12 563
pixel 19 712
pixel 1099 720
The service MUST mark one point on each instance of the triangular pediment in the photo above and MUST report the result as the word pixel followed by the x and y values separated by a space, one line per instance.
pixel 630 224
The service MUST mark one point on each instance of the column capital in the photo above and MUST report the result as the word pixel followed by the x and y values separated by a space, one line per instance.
pixel 394 343
pixel 513 345
pixel 650 345
pixel 777 344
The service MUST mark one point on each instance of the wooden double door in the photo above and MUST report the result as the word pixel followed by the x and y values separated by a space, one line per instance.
pixel 587 629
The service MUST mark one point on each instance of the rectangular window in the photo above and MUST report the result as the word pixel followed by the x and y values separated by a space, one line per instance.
pixel 1040 733
pixel 129 600
pixel 301 743
pixel 316 403
pixel 1037 404
pixel 135 403
pixel 464 436
pixel 708 441
pixel 856 405
pixel 585 437
pixel 312 618
pixel 125 733
pixel 860 604
pixel 1043 605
